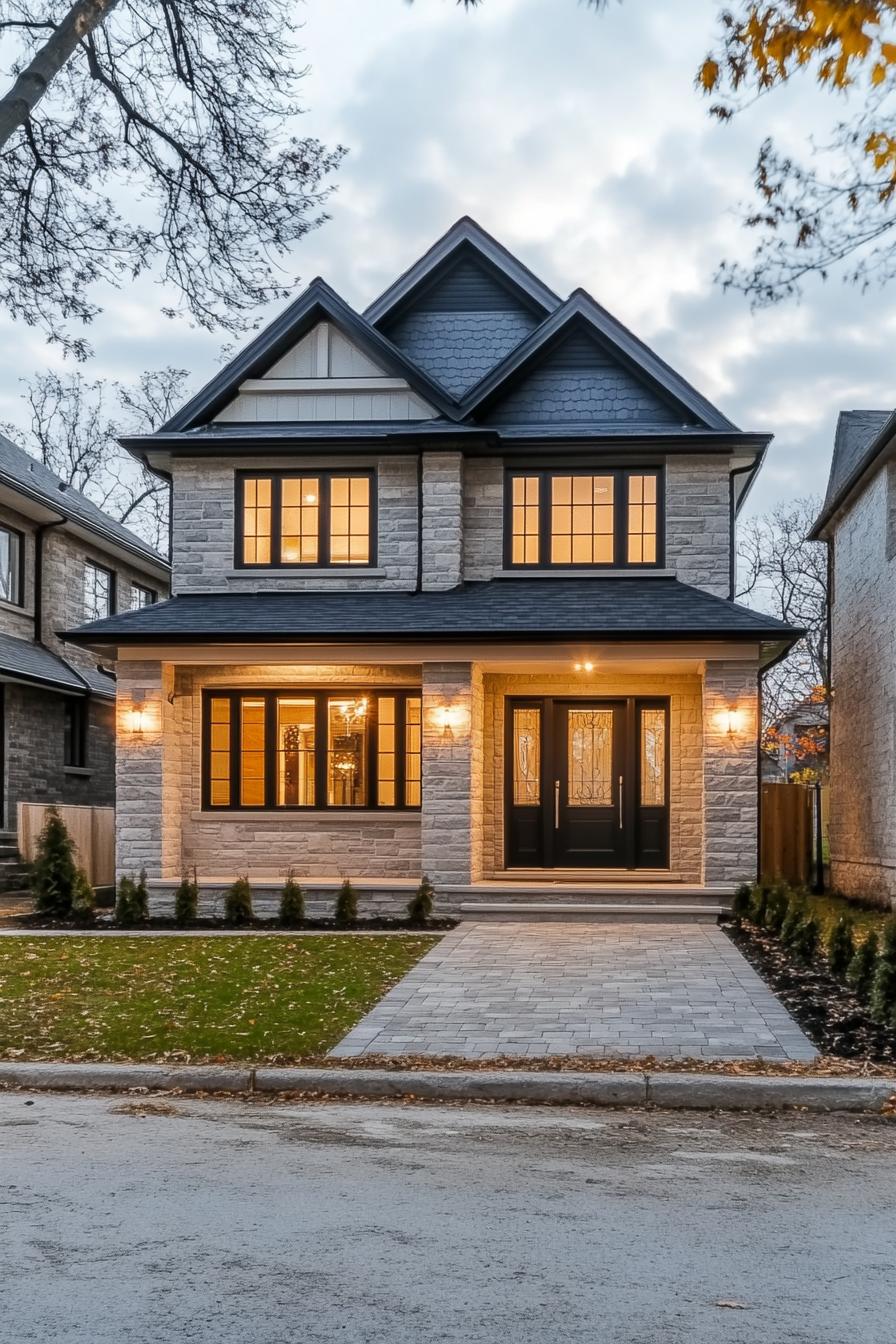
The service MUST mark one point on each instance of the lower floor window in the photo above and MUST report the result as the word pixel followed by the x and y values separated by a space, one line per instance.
pixel 294 749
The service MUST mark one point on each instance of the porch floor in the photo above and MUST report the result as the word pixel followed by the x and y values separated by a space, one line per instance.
pixel 606 990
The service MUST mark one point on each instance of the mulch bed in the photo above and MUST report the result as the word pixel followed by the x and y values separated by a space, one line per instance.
pixel 828 1011
pixel 373 924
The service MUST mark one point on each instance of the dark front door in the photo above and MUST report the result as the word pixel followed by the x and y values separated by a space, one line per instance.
pixel 587 783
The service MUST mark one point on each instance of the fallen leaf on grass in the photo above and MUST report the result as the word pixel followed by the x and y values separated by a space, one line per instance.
pixel 143 1108
pixel 731 1304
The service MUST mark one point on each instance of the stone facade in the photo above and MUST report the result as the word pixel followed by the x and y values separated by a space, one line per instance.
pixel 863 706
pixel 33 749
pixel 730 771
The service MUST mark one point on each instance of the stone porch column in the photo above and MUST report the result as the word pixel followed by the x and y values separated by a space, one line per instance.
pixel 443 535
pixel 147 811
pixel 730 772
pixel 452 814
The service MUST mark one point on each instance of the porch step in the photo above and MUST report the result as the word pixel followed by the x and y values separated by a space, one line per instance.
pixel 582 911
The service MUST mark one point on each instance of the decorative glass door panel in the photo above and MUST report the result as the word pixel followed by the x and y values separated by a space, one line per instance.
pixel 527 756
pixel 589 757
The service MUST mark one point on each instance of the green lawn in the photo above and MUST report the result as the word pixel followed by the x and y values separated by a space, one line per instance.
pixel 255 999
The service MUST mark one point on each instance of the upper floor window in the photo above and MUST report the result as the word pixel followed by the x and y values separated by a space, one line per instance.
pixel 142 596
pixel 11 568
pixel 574 519
pixel 99 592
pixel 319 518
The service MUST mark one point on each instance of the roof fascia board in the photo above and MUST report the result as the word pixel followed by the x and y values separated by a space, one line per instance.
pixel 318 303
pixel 872 460
pixel 580 306
pixel 465 231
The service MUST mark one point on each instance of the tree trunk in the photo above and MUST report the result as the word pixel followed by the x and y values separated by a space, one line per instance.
pixel 31 85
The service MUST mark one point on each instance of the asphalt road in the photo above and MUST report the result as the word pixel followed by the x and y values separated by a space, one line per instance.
pixel 168 1220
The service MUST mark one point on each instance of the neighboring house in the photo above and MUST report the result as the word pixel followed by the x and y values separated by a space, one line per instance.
pixel 62 560
pixel 797 742
pixel 858 521
pixel 453 585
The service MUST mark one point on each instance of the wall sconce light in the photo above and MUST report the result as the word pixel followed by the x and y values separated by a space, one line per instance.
pixel 137 719
pixel 447 718
pixel 733 720
pixel 583 667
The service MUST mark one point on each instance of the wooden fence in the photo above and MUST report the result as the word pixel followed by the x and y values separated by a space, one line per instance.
pixel 91 828
pixel 787 839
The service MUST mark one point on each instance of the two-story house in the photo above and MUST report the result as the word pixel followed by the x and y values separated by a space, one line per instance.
pixel 62 560
pixel 453 596
pixel 858 522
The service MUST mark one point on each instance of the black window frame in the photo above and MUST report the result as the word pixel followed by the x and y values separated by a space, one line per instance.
pixel 321 697
pixel 19 599
pixel 326 476
pixel 143 588
pixel 621 477
pixel 113 589
pixel 74 733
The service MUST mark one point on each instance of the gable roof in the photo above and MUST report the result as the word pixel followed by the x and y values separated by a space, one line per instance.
pixel 318 303
pixel 466 237
pixel 582 310
pixel 861 438
pixel 21 472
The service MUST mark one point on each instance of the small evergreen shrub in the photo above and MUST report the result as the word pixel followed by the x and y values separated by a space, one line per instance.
pixel 883 987
pixel 776 907
pixel 420 904
pixel 131 902
pixel 806 939
pixel 740 903
pixel 54 872
pixel 346 912
pixel 841 946
pixel 83 898
pixel 796 915
pixel 238 902
pixel 292 903
pixel 186 900
pixel 860 974
pixel 758 902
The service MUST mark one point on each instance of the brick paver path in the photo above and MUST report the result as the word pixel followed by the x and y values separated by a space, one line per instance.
pixel 607 989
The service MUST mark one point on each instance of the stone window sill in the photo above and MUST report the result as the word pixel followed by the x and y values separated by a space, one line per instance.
pixel 632 573
pixel 348 572
pixel 362 814
pixel 84 771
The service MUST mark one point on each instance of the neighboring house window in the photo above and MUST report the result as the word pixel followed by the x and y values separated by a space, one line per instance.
pixel 11 548
pixel 572 519
pixel 74 739
pixel 142 597
pixel 314 749
pixel 318 518
pixel 99 586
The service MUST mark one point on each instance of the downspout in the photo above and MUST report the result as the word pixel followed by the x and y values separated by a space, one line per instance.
pixel 732 521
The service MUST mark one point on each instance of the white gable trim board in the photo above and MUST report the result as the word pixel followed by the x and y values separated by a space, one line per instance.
pixel 324 377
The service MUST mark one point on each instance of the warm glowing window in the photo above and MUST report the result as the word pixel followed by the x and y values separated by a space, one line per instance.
pixel 322 519
pixel 526 756
pixel 653 757
pixel 314 749
pixel 524 522
pixel 642 520
pixel 575 519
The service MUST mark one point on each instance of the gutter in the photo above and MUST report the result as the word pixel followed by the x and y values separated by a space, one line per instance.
pixel 734 509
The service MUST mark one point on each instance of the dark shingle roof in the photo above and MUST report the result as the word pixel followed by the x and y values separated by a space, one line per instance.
pixel 534 609
pixel 22 471
pixel 860 437
pixel 27 661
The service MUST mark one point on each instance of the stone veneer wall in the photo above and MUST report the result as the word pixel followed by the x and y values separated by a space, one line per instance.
pixel 443 506
pixel 697 520
pixel 863 708
pixel 685 746
pixel 730 772
pixel 203 527
pixel 33 722
pixel 453 768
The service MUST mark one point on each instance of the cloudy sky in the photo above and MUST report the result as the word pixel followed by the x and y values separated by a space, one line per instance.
pixel 579 141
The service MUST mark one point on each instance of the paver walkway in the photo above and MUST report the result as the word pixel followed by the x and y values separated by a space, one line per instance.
pixel 607 989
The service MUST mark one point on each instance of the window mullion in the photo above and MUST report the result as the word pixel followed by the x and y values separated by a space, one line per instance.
pixel 276 520
pixel 270 750
pixel 620 520
pixel 323 520
pixel 236 764
pixel 401 727
pixel 544 518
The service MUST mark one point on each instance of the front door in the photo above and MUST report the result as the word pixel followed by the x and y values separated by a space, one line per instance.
pixel 587 783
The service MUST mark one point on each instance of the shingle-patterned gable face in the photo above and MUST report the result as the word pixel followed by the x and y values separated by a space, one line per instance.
pixel 461 324
pixel 579 380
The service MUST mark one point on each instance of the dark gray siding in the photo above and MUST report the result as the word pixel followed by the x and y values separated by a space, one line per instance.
pixel 457 349
pixel 33 752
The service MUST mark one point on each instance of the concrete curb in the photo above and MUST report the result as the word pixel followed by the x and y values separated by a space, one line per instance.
pixel 672 1091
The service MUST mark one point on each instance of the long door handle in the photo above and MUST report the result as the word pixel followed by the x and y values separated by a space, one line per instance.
pixel 556 804
pixel 620 802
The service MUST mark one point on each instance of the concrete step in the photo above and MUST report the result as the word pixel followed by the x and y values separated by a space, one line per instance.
pixel 585 911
